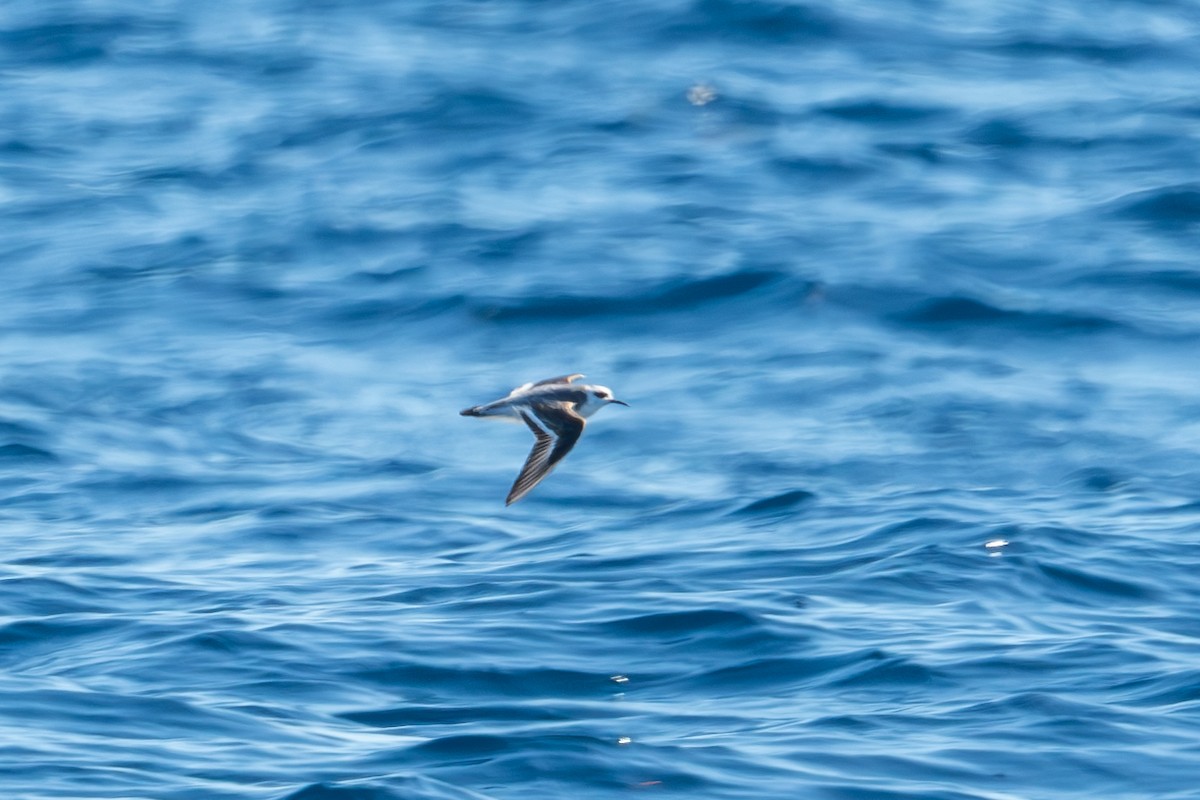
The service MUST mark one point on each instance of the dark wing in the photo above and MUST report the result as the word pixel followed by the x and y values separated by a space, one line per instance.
pixel 547 450
pixel 560 379
pixel 566 425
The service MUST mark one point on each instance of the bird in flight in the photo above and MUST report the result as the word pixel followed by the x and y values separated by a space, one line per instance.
pixel 556 410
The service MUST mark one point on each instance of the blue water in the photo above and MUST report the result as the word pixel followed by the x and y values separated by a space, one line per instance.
pixel 904 295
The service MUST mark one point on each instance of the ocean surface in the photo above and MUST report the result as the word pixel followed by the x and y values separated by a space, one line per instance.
pixel 904 296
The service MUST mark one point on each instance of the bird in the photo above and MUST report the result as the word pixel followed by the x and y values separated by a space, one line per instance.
pixel 556 411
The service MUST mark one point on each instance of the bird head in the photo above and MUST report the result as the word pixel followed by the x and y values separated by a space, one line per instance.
pixel 597 398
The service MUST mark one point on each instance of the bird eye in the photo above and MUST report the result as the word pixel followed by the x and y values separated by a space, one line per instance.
pixel 602 395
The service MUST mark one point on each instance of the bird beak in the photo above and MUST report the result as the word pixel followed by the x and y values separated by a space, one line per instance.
pixel 620 402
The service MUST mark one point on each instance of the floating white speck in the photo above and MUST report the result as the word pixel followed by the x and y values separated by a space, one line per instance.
pixel 624 740
pixel 994 543
pixel 701 94
pixel 619 679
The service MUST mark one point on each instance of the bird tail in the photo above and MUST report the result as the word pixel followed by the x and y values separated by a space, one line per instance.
pixel 498 409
